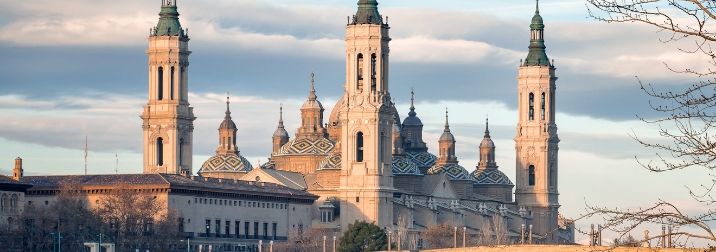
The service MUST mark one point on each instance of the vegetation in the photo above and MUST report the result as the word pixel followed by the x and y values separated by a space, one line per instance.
pixel 125 217
pixel 688 115
pixel 363 236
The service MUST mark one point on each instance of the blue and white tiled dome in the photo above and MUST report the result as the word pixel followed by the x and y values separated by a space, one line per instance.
pixel 452 170
pixel 490 176
pixel 402 165
pixel 226 163
pixel 308 146
pixel 422 159
pixel 331 162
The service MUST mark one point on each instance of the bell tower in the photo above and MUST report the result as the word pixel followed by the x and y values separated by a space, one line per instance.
pixel 536 143
pixel 366 184
pixel 168 120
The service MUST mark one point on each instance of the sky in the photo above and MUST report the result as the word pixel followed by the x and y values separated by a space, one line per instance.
pixel 77 68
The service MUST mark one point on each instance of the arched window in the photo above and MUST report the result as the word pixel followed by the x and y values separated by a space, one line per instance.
pixel 381 155
pixel 160 151
pixel 531 175
pixel 360 72
pixel 3 203
pixel 181 152
pixel 182 75
pixel 373 61
pixel 543 106
pixel 171 84
pixel 160 83
pixel 532 107
pixel 359 147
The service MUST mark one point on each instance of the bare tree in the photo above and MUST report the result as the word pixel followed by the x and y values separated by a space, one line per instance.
pixel 687 115
pixel 137 220
pixel 439 236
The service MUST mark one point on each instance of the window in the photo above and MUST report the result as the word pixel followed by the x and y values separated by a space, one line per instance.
pixel 543 106
pixel 237 228
pixel 246 229
pixel 381 146
pixel 181 151
pixel 531 175
pixel 180 223
pixel 359 147
pixel 256 230
pixel 160 151
pixel 227 228
pixel 160 83
pixel 171 84
pixel 372 72
pixel 274 226
pixel 208 227
pixel 357 199
pixel 360 72
pixel 217 228
pixel 265 230
pixel 532 107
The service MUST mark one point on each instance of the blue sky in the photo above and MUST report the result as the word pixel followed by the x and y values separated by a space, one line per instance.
pixel 77 67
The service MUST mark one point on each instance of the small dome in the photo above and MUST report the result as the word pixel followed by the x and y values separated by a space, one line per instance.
pixel 336 112
pixel 412 121
pixel 537 22
pixel 332 162
pixel 312 104
pixel 308 146
pixel 487 143
pixel 422 159
pixel 452 170
pixel 280 132
pixel 447 136
pixel 227 124
pixel 490 177
pixel 403 165
pixel 226 163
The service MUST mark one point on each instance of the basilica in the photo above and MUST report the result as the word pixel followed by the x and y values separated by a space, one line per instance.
pixel 365 162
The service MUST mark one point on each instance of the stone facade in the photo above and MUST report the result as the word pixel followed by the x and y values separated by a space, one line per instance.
pixel 168 120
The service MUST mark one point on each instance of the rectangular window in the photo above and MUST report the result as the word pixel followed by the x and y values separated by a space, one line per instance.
pixel 246 229
pixel 265 230
pixel 180 221
pixel 208 227
pixel 218 228
pixel 256 230
pixel 237 228
pixel 274 226
pixel 227 229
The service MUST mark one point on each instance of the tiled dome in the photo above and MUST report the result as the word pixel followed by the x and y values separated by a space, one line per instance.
pixel 226 163
pixel 403 165
pixel 422 159
pixel 332 162
pixel 308 146
pixel 490 176
pixel 453 171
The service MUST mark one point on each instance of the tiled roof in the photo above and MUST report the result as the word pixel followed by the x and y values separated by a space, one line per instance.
pixel 165 181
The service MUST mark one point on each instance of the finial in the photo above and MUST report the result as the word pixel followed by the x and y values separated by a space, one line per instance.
pixel 487 127
pixel 447 124
pixel 537 9
pixel 412 102
pixel 280 116
pixel 312 94
pixel 227 103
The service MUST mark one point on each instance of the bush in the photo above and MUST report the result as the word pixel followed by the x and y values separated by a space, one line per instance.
pixel 363 236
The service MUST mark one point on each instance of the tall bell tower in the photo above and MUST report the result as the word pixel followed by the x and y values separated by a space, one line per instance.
pixel 366 184
pixel 168 120
pixel 536 142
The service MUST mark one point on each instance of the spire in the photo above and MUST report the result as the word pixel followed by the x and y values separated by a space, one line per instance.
pixel 280 116
pixel 412 103
pixel 168 24
pixel 227 123
pixel 367 13
pixel 487 127
pixel 312 93
pixel 537 55
pixel 447 124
